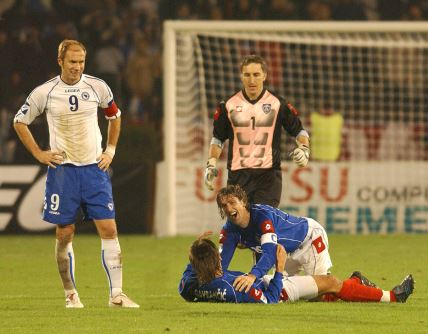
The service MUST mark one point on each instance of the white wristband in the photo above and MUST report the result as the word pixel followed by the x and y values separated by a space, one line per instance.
pixel 110 151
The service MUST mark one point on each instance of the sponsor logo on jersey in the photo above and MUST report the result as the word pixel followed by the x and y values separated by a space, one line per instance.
pixel 72 90
pixel 267 107
pixel 85 96
pixel 110 206
pixel 267 227
pixel 56 213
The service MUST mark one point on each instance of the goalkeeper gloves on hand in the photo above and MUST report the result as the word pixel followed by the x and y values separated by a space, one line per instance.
pixel 300 155
pixel 210 173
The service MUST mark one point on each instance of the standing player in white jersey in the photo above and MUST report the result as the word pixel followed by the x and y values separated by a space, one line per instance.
pixel 77 166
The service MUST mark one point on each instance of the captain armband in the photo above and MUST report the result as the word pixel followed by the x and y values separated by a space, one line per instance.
pixel 112 111
pixel 269 238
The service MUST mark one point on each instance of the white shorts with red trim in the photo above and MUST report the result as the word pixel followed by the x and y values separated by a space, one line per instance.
pixel 312 256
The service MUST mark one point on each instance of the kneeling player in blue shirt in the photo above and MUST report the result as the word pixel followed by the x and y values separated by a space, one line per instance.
pixel 260 228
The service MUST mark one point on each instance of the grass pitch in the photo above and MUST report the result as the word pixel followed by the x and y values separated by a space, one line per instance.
pixel 32 301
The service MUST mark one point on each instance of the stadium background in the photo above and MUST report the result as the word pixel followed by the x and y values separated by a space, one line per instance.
pixel 30 289
pixel 124 41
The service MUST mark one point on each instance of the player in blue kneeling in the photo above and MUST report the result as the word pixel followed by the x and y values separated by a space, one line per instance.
pixel 260 228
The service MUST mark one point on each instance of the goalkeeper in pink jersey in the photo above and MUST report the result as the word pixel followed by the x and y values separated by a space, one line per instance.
pixel 77 177
pixel 205 280
pixel 251 120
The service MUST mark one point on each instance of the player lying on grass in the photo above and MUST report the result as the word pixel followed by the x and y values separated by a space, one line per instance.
pixel 204 280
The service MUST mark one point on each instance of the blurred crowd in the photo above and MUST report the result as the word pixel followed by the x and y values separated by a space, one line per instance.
pixel 124 42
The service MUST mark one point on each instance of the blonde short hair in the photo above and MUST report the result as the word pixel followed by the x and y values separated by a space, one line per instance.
pixel 66 44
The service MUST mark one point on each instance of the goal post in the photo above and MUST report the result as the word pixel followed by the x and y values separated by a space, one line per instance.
pixel 374 74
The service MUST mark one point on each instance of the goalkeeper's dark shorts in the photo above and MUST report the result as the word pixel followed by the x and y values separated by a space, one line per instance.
pixel 263 186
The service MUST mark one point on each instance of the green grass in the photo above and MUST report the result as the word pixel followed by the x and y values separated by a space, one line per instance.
pixel 31 295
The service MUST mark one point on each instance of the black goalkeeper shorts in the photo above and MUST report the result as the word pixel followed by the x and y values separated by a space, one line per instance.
pixel 263 186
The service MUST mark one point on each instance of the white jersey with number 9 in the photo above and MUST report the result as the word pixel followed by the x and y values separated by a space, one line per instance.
pixel 71 112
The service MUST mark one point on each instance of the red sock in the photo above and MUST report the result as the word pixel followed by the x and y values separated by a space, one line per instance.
pixel 392 296
pixel 354 292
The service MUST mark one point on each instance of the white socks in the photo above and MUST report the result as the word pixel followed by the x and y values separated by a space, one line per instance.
pixel 65 260
pixel 386 297
pixel 112 262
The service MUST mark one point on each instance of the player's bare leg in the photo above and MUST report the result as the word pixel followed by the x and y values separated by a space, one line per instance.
pixel 111 258
pixel 66 263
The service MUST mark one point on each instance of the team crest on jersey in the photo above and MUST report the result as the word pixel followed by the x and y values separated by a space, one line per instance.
pixel 110 206
pixel 85 96
pixel 24 108
pixel 267 107
pixel 238 108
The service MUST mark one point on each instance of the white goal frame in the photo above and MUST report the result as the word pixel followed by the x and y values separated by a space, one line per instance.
pixel 165 212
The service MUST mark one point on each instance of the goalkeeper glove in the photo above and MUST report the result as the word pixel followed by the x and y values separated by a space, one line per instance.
pixel 300 155
pixel 210 173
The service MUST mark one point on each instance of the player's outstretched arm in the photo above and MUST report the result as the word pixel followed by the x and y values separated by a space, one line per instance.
pixel 49 158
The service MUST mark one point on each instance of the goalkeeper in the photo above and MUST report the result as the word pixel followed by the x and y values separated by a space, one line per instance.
pixel 251 120
pixel 204 280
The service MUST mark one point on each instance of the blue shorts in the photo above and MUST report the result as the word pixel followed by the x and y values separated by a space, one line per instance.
pixel 70 188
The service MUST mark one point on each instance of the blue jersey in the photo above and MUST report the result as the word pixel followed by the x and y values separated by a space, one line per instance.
pixel 267 227
pixel 221 289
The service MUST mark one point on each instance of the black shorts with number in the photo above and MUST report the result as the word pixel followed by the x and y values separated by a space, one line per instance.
pixel 263 186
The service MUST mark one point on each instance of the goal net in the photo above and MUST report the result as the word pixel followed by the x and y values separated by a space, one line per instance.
pixel 361 90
